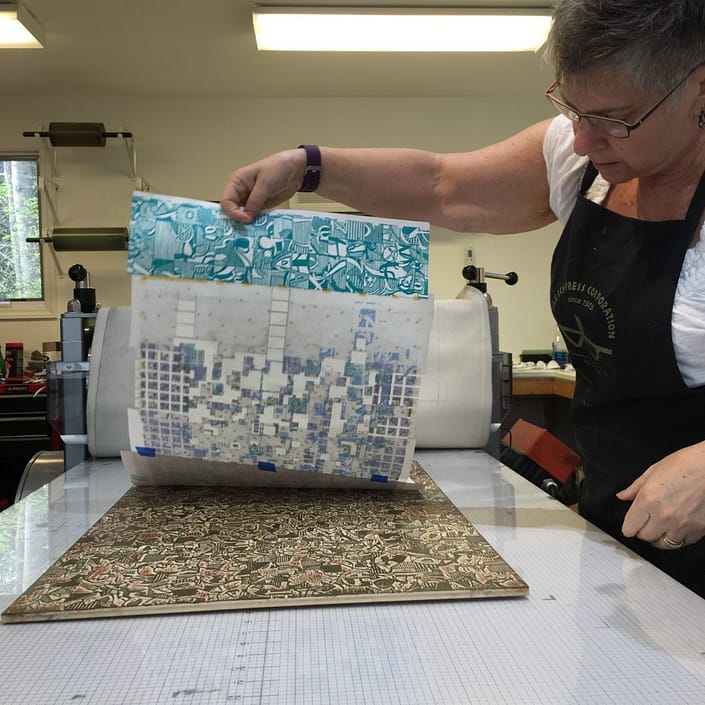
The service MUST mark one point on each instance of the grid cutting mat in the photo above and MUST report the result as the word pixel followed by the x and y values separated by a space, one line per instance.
pixel 162 550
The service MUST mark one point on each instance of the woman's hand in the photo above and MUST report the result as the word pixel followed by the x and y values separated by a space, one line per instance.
pixel 668 500
pixel 263 184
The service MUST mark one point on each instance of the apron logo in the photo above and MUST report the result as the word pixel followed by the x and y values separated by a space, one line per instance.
pixel 594 320
pixel 582 346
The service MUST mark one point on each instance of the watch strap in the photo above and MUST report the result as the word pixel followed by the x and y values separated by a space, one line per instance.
pixel 312 174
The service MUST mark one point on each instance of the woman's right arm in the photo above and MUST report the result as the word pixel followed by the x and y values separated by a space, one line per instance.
pixel 498 189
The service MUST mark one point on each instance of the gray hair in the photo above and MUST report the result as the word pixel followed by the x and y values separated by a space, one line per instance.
pixel 655 42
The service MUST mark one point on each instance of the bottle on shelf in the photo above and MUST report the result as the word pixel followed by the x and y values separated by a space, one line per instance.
pixel 559 351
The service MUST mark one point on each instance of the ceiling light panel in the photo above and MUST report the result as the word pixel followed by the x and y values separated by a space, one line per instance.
pixel 365 29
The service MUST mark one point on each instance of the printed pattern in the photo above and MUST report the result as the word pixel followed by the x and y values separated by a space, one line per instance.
pixel 168 549
pixel 278 378
pixel 175 237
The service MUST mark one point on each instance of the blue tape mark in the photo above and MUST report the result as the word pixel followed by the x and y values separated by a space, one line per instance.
pixel 146 452
pixel 270 467
pixel 379 478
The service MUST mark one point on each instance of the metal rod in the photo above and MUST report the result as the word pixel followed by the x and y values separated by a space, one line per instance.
pixel 131 154
pixel 49 200
pixel 48 241
pixel 45 133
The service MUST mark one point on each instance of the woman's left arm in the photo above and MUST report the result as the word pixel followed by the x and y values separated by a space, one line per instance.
pixel 668 500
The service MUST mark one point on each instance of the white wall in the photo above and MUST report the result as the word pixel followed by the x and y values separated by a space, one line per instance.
pixel 187 147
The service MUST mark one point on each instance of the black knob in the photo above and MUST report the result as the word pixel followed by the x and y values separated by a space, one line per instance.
pixel 78 272
pixel 550 486
pixel 470 272
pixel 511 278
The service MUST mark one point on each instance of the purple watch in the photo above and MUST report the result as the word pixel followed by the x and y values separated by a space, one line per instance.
pixel 312 175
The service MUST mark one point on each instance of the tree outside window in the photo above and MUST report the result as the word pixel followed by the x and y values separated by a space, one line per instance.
pixel 20 261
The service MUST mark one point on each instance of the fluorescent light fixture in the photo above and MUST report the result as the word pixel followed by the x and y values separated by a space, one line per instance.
pixel 19 28
pixel 411 29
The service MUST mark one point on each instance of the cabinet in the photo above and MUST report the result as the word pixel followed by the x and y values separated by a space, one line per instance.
pixel 544 400
pixel 24 430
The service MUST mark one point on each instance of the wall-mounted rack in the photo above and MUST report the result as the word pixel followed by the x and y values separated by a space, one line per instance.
pixel 86 134
pixel 80 134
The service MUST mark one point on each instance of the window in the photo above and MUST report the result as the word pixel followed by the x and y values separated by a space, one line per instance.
pixel 20 261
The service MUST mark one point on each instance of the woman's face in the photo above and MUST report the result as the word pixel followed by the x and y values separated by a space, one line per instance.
pixel 666 143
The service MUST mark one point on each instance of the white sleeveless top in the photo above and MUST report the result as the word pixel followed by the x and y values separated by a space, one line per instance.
pixel 564 169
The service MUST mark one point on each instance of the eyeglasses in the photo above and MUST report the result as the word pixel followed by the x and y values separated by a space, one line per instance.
pixel 608 126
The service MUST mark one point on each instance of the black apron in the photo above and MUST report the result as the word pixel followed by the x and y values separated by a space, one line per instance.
pixel 613 281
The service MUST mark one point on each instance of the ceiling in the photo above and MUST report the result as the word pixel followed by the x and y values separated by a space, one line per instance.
pixel 206 48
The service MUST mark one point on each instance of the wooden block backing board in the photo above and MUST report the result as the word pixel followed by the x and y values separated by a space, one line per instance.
pixel 162 550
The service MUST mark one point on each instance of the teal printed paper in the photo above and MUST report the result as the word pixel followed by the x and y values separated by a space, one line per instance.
pixel 189 239
pixel 292 343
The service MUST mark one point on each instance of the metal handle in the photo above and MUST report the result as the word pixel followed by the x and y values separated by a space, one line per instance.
pixel 476 275
pixel 511 278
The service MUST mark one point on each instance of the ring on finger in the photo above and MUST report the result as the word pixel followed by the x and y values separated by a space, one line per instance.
pixel 671 543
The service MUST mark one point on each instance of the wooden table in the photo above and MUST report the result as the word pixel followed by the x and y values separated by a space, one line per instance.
pixel 543 382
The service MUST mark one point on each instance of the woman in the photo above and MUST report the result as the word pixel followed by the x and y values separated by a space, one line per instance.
pixel 622 166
